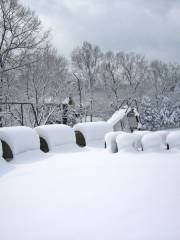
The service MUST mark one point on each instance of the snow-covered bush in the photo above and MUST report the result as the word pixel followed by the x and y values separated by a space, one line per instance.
pixel 92 131
pixel 20 139
pixel 159 116
pixel 56 135
pixel 126 142
pixel 173 140
pixel 139 135
pixel 110 140
pixel 151 142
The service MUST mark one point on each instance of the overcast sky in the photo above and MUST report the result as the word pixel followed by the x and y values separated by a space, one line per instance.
pixel 150 27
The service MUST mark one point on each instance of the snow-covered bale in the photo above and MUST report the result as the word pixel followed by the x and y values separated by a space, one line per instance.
pixel 1 152
pixel 126 142
pixel 152 142
pixel 163 134
pixel 110 141
pixel 173 140
pixel 88 132
pixel 55 135
pixel 16 140
pixel 139 135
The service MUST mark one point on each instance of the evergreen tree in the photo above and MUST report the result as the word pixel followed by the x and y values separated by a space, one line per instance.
pixel 149 114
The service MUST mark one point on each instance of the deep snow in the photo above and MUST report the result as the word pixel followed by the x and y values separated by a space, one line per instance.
pixel 90 194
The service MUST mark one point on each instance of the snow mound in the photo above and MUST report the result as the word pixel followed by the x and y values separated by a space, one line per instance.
pixel 20 139
pixel 139 135
pixel 117 116
pixel 152 142
pixel 56 135
pixel 173 140
pixel 93 131
pixel 126 142
pixel 110 140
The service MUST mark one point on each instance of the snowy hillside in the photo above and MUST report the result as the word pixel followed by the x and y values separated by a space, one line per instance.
pixel 90 194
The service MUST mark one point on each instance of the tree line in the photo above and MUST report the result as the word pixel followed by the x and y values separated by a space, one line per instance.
pixel 31 70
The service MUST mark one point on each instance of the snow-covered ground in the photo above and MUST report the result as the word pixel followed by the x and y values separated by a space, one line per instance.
pixel 90 194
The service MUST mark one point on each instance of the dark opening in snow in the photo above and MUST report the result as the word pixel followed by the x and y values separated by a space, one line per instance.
pixel 80 140
pixel 7 152
pixel 43 145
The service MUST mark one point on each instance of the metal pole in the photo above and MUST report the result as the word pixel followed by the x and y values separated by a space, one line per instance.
pixel 22 116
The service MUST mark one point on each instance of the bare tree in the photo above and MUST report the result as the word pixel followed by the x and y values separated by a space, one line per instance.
pixel 20 34
pixel 134 72
pixel 79 90
pixel 86 60
pixel 111 72
pixel 45 83
pixel 164 79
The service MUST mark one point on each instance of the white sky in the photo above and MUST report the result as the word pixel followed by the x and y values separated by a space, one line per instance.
pixel 150 27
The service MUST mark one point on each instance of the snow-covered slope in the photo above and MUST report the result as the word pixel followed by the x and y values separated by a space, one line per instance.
pixel 91 195
pixel 117 116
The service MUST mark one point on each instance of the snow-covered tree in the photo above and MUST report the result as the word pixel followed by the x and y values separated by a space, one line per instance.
pixel 166 114
pixel 149 114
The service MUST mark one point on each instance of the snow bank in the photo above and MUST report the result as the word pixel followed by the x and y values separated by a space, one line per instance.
pixel 152 142
pixel 56 135
pixel 173 140
pixel 110 140
pixel 139 135
pixel 93 131
pixel 20 139
pixel 126 142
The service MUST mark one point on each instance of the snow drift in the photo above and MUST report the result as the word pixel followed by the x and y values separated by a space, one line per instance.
pixel 92 131
pixel 126 142
pixel 152 142
pixel 173 140
pixel 20 139
pixel 110 140
pixel 56 135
